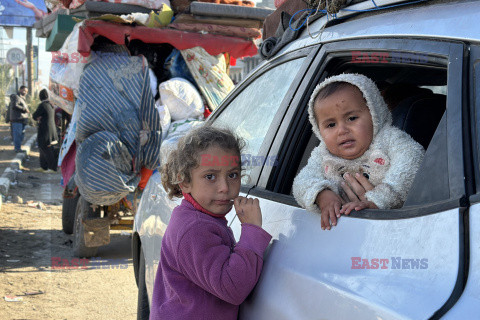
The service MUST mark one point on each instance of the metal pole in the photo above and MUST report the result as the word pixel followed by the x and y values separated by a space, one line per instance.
pixel 16 79
pixel 29 55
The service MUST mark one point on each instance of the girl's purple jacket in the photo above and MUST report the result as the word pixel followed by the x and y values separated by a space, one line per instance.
pixel 203 273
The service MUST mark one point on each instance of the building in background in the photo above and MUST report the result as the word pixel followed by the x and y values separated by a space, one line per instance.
pixel 243 67
pixel 246 65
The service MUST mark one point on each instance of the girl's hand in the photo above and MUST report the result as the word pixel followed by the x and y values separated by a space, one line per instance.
pixel 356 186
pixel 357 206
pixel 248 210
pixel 329 203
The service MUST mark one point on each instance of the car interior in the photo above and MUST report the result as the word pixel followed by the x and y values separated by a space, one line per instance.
pixel 416 95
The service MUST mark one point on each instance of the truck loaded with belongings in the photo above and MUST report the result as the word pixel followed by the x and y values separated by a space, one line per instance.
pixel 133 84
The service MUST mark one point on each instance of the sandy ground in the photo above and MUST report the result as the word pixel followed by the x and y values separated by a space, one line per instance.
pixel 37 266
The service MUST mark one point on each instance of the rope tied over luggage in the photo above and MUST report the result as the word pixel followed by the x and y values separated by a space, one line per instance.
pixel 330 8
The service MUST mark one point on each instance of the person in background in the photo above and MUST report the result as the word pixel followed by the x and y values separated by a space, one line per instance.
pixel 19 114
pixel 47 133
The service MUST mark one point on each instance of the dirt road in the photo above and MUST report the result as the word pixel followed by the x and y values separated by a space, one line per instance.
pixel 37 266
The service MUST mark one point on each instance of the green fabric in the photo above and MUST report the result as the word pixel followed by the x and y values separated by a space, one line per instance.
pixel 62 28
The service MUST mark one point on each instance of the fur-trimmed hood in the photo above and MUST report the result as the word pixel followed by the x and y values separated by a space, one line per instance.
pixel 379 111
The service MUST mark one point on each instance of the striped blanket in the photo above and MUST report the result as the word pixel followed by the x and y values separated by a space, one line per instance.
pixel 115 99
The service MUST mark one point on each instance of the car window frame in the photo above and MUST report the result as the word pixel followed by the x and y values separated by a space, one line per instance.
pixel 474 95
pixel 308 53
pixel 454 51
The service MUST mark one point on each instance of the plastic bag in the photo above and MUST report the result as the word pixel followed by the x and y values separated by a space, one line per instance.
pixel 153 82
pixel 177 130
pixel 165 118
pixel 68 64
pixel 181 98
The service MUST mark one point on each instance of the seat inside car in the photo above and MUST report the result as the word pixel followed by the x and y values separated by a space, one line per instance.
pixel 419 116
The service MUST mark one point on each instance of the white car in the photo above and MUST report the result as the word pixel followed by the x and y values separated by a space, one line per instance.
pixel 418 262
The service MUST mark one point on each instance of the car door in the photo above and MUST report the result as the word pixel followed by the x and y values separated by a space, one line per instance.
pixel 255 117
pixel 469 301
pixel 375 264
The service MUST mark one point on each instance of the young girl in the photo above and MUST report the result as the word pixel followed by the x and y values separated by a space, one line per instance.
pixel 203 273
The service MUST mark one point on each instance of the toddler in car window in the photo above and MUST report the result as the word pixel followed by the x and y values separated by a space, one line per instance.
pixel 362 160
pixel 203 273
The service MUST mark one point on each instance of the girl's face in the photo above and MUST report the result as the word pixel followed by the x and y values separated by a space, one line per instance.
pixel 215 183
pixel 345 123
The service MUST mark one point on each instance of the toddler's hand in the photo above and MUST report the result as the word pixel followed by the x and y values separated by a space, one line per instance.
pixel 357 206
pixel 329 203
pixel 248 210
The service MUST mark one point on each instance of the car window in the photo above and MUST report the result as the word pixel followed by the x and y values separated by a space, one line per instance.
pixel 415 100
pixel 427 81
pixel 251 112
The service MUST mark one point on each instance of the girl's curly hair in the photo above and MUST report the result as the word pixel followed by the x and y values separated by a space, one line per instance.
pixel 186 156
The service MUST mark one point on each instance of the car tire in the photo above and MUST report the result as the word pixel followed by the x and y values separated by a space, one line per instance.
pixel 83 211
pixel 69 207
pixel 143 308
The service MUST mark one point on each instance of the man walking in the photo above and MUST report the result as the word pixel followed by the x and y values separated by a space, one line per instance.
pixel 19 113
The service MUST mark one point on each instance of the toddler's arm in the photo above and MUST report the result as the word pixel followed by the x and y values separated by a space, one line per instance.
pixel 310 182
pixel 329 203
pixel 406 155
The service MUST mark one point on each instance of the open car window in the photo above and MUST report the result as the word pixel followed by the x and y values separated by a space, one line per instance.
pixel 425 95
pixel 413 93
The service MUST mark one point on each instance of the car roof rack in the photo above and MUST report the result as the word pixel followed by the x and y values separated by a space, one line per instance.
pixel 315 20
pixel 357 7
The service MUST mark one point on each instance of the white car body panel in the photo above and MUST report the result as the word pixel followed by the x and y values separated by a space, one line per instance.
pixel 469 302
pixel 318 271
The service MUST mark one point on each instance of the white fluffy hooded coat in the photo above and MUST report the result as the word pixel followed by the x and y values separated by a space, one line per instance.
pixel 391 161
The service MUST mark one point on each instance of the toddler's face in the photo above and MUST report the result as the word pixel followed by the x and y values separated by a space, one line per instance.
pixel 215 183
pixel 345 123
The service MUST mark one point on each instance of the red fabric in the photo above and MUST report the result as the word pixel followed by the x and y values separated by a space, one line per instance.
pixel 198 207
pixel 206 112
pixel 68 164
pixel 233 61
pixel 213 44
pixel 145 175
